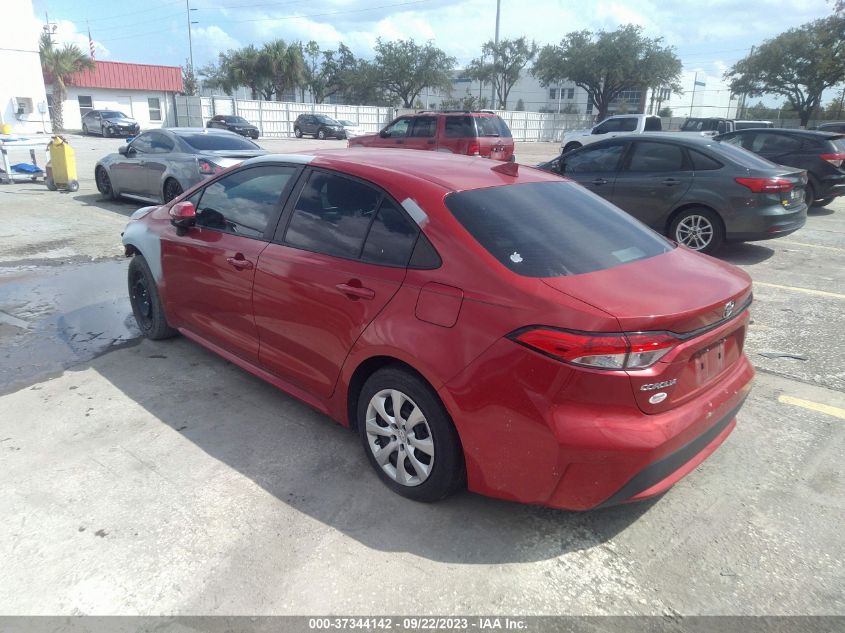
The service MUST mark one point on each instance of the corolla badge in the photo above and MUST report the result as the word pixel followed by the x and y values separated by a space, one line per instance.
pixel 654 386
pixel 729 308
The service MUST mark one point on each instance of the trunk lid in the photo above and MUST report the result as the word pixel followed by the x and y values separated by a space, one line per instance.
pixel 701 299
pixel 228 157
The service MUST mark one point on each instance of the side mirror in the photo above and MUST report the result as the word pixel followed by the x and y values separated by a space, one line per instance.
pixel 384 134
pixel 123 150
pixel 183 215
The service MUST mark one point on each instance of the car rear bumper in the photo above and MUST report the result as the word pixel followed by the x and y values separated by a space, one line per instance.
pixel 766 223
pixel 531 441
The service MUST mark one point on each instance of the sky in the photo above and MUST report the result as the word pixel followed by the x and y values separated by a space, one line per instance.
pixel 708 35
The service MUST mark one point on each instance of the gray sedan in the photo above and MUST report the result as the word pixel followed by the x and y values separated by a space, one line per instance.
pixel 697 191
pixel 159 165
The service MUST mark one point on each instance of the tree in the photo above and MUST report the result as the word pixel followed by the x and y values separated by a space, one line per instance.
pixel 325 72
pixel 520 105
pixel 665 112
pixel 608 62
pixel 58 65
pixel 507 59
pixel 190 85
pixel 799 64
pixel 281 65
pixel 362 85
pixel 405 68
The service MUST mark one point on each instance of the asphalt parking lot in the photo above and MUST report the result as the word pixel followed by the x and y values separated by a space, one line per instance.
pixel 156 478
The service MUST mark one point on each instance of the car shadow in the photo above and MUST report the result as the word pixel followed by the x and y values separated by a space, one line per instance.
pixel 744 253
pixel 820 211
pixel 319 468
pixel 121 206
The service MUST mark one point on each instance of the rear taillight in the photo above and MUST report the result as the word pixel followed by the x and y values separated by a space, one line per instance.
pixel 599 350
pixel 474 148
pixel 833 159
pixel 207 168
pixel 767 185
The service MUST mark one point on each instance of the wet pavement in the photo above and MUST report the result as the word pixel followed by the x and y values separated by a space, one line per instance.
pixel 53 317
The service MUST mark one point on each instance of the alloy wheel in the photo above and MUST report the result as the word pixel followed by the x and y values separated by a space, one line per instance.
pixel 694 231
pixel 140 297
pixel 103 182
pixel 399 437
pixel 171 189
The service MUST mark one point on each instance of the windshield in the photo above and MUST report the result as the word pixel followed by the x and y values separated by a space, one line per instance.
pixel 551 229
pixel 113 115
pixel 228 140
pixel 236 119
pixel 345 122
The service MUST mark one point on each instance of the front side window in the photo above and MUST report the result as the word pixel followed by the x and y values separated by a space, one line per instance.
pixel 594 160
pixel 243 203
pixel 332 215
pixel 154 104
pixel 160 143
pixel 551 229
pixel 143 144
pixel 656 157
pixel 398 129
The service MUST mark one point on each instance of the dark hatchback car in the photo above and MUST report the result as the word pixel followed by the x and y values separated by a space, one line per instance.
pixel 819 153
pixel 236 124
pixel 695 190
pixel 319 126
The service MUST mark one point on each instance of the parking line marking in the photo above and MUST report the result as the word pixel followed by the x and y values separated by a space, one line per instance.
pixel 827 248
pixel 836 412
pixel 809 291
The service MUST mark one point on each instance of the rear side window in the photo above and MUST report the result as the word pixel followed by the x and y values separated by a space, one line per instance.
pixel 551 229
pixel 459 127
pixel 652 157
pixel 775 143
pixel 701 162
pixel 226 141
pixel 423 127
pixel 332 215
pixel 243 203
pixel 391 238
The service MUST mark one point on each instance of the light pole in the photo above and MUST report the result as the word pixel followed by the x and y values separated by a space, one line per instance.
pixel 188 10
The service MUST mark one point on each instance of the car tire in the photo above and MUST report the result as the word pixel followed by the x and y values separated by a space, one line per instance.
pixel 146 303
pixel 810 195
pixel 107 132
pixel 85 131
pixel 823 203
pixel 172 189
pixel 297 132
pixel 571 146
pixel 104 186
pixel 430 454
pixel 699 229
pixel 321 134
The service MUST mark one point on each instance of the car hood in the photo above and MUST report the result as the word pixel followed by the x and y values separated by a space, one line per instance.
pixel 680 291
pixel 366 137
pixel 122 121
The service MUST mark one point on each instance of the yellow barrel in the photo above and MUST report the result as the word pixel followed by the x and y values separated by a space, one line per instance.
pixel 5 128
pixel 63 163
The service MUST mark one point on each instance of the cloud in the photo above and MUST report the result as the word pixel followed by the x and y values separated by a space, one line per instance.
pixel 68 33
pixel 208 41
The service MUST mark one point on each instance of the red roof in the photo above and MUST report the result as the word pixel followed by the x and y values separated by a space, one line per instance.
pixel 125 76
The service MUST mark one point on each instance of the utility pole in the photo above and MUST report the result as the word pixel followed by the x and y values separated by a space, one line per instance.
pixel 495 57
pixel 841 99
pixel 692 101
pixel 188 10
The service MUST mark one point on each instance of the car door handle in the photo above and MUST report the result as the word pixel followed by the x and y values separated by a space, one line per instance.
pixel 599 181
pixel 239 262
pixel 670 182
pixel 356 291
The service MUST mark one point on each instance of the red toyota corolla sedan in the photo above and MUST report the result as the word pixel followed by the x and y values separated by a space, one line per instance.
pixel 477 323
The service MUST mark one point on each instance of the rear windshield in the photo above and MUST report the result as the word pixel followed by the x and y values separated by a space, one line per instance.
pixel 550 229
pixel 218 141
pixel 492 126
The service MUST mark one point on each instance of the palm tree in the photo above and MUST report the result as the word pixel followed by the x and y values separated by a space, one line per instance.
pixel 57 65
pixel 283 64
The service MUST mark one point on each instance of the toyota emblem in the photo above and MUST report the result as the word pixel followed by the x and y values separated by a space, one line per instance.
pixel 729 308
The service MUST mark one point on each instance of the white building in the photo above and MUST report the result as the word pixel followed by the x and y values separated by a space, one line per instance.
pixel 141 91
pixel 703 96
pixel 23 100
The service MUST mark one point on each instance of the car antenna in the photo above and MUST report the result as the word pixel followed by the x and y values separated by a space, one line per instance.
pixel 508 169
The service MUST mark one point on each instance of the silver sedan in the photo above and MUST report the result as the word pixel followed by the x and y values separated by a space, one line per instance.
pixel 158 165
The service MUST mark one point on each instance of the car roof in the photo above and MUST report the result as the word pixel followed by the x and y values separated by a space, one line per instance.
pixel 818 135
pixel 450 172
pixel 679 138
pixel 185 131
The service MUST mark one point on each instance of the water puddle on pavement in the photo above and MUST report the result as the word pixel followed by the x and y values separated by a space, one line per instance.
pixel 52 317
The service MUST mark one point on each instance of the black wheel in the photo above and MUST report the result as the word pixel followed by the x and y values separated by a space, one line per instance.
pixel 408 436
pixel 823 203
pixel 104 183
pixel 321 134
pixel 146 304
pixel 172 188
pixel 85 131
pixel 297 132
pixel 810 195
pixel 699 229
pixel 106 131
pixel 570 146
